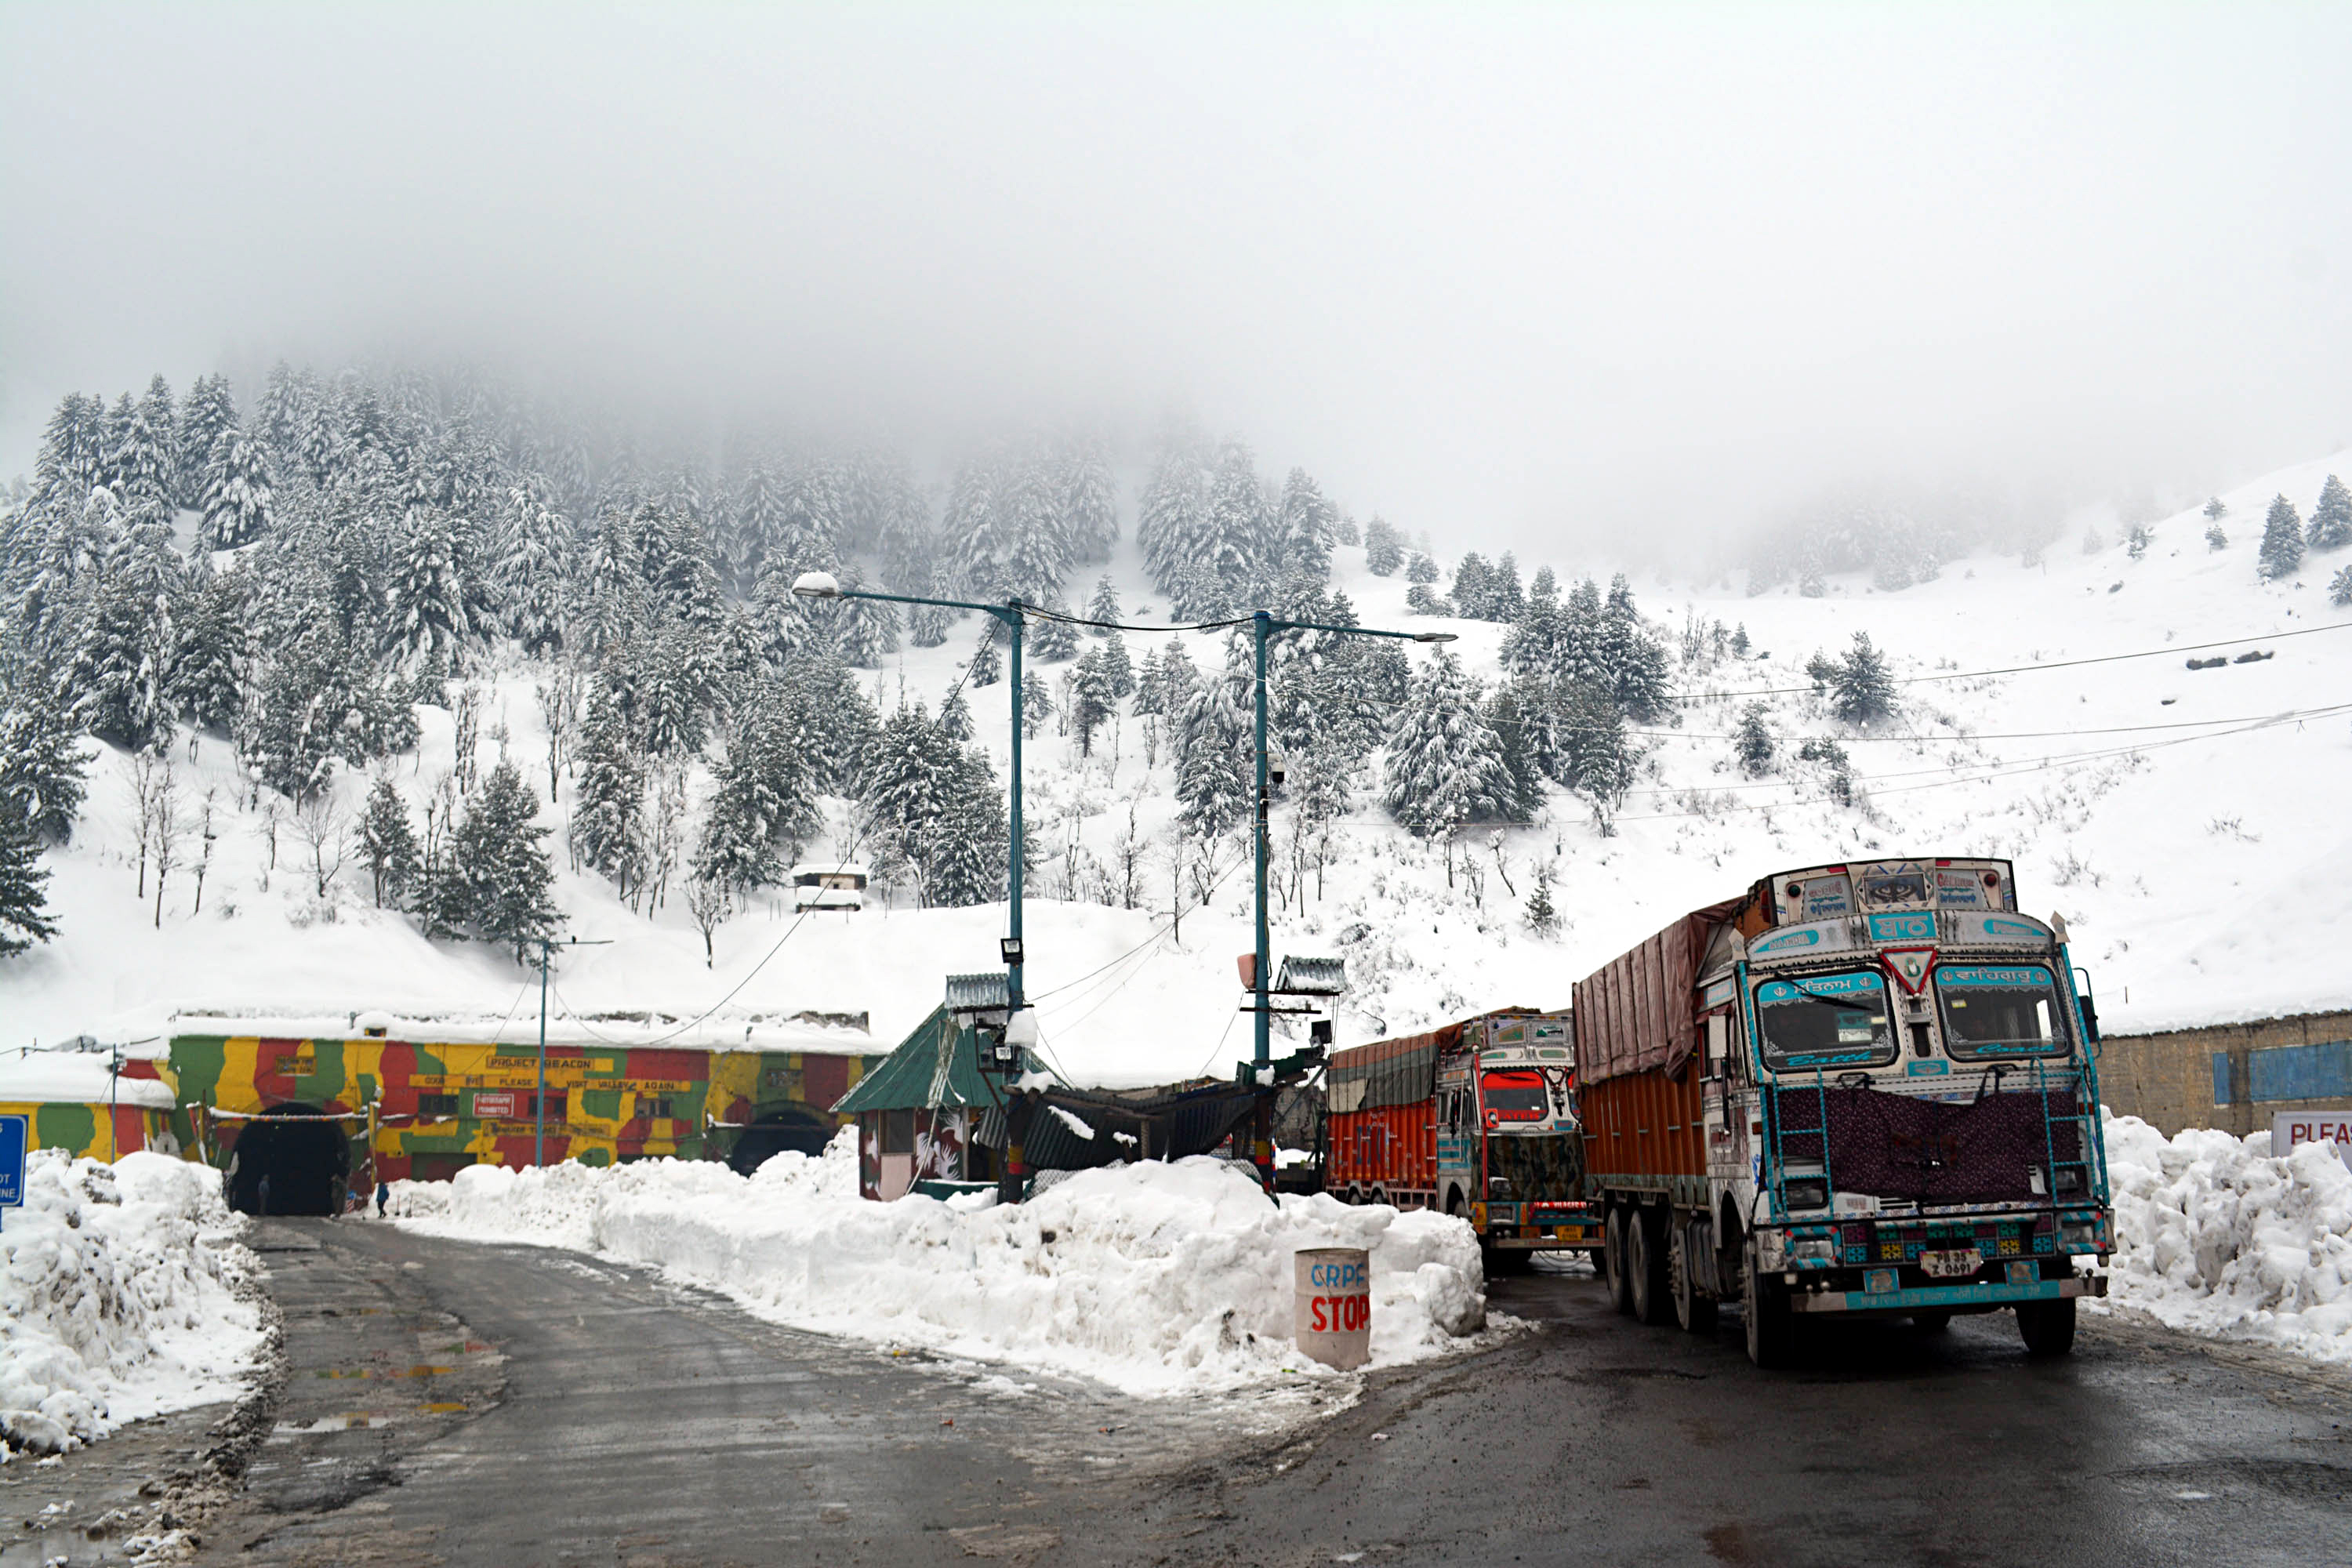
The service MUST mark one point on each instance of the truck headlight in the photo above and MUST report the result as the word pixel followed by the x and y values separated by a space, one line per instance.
pixel 1806 1193
pixel 2081 1235
pixel 1814 1249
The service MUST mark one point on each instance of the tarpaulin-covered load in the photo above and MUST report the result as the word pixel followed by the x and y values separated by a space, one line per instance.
pixel 1634 1013
pixel 1389 1072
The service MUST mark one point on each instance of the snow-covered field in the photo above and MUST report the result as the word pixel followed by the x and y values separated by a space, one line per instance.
pixel 1155 1279
pixel 121 1297
pixel 2193 838
pixel 2218 1237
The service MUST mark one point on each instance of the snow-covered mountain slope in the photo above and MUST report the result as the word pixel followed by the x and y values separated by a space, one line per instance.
pixel 2197 844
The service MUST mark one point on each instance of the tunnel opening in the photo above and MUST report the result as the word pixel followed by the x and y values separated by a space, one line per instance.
pixel 304 1154
pixel 774 1131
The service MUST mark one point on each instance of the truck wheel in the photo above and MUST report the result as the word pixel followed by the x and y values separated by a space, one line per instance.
pixel 2048 1326
pixel 1693 1311
pixel 1771 1328
pixel 1645 1260
pixel 1612 1253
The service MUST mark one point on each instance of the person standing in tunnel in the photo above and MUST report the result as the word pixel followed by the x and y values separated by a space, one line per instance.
pixel 264 1193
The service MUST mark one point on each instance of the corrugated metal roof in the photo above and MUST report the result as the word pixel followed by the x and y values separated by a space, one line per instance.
pixel 969 993
pixel 1325 976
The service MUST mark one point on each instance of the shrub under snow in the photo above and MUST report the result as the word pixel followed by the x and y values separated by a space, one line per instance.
pixel 1154 1279
pixel 118 1297
pixel 2217 1236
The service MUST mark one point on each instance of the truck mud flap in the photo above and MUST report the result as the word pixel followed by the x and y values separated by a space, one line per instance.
pixel 1945 1296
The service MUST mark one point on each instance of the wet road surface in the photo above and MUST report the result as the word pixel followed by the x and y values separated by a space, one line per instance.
pixel 449 1403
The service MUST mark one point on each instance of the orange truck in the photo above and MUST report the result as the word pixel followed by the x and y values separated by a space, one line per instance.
pixel 1477 1119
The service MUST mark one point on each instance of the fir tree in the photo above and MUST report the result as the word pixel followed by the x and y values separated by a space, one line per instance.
pixel 1171 525
pixel 502 866
pixel 928 625
pixel 1543 920
pixel 1861 689
pixel 1751 744
pixel 144 466
pixel 1600 756
pixel 388 843
pixel 1421 570
pixel 764 809
pixel 1446 765
pixel 1474 588
pixel 987 666
pixel 208 415
pixel 1838 770
pixel 1383 551
pixel 1051 641
pixel 1505 602
pixel 2340 588
pixel 1518 741
pixel 1092 701
pixel 2282 549
pixel 1215 780
pixel 2216 538
pixel 23 884
pixel 426 597
pixel 955 716
pixel 1238 536
pixel 43 772
pixel 1088 505
pixel 1305 526
pixel 1118 666
pixel 1104 605
pixel 122 666
pixel 2215 509
pixel 532 568
pixel 236 492
pixel 1544 589
pixel 1740 643
pixel 608 816
pixel 208 664
pixel 2331 519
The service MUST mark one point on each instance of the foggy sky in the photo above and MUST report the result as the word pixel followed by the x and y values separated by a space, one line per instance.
pixel 1537 276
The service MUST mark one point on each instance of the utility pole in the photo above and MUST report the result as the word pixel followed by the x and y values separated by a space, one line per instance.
pixel 539 1100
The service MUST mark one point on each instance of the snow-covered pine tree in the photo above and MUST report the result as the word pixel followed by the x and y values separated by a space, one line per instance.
pixel 1636 663
pixel 1751 744
pixel 388 844
pixel 23 884
pixel 1545 587
pixel 1601 756
pixel 1118 666
pixel 209 413
pixel 763 811
pixel 1171 524
pixel 1740 643
pixel 1212 742
pixel 955 716
pixel 144 467
pixel 502 865
pixel 1239 539
pixel 1543 918
pixel 1521 744
pixel 1445 766
pixel 1474 588
pixel 236 492
pixel 1051 640
pixel 2331 518
pixel 973 534
pixel 608 814
pixel 430 622
pixel 43 772
pixel 1104 605
pixel 1862 690
pixel 2282 550
pixel 1087 501
pixel 72 458
pixel 903 535
pixel 987 666
pixel 966 855
pixel 759 523
pixel 1384 549
pixel 1306 525
pixel 1092 700
pixel 2340 588
pixel 1506 599
pixel 2216 509
pixel 533 571
pixel 207 680
pixel 122 665
pixel 928 625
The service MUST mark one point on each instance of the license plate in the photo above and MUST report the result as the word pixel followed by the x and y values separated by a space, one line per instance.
pixel 1950 1265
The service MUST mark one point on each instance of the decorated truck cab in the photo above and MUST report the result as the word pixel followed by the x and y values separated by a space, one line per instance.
pixel 1476 1120
pixel 1859 1089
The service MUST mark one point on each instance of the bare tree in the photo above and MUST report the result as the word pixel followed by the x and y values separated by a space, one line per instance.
pixel 205 859
pixel 166 830
pixel 1126 857
pixel 148 771
pixel 1502 868
pixel 710 904
pixel 324 828
pixel 667 842
pixel 467 713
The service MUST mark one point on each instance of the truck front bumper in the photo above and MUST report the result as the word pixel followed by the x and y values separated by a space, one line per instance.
pixel 1940 1297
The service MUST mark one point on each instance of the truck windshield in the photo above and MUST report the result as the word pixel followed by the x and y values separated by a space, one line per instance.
pixel 1825 1020
pixel 1515 1096
pixel 1999 1010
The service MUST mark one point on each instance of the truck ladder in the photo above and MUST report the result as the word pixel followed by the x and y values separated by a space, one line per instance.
pixel 2086 1133
pixel 1780 1133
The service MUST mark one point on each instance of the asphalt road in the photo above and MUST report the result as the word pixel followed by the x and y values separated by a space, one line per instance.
pixel 454 1403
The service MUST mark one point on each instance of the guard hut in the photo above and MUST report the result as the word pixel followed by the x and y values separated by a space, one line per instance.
pixel 919 1113
pixel 841 888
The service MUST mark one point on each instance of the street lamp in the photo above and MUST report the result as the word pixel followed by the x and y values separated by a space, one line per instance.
pixel 1263 624
pixel 826 585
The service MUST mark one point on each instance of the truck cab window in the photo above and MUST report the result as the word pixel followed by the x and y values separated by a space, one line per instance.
pixel 1516 1097
pixel 1825 1021
pixel 1999 1010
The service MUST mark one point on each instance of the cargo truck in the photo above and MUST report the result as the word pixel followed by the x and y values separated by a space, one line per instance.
pixel 1855 1090
pixel 1475 1120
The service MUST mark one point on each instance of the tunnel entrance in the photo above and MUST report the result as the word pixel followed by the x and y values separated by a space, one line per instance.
pixel 304 1153
pixel 774 1131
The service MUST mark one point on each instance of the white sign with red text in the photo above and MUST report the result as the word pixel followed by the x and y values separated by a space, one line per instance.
pixel 2290 1129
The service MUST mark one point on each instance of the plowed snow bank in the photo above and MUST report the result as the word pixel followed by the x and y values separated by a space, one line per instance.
pixel 1155 1279
pixel 118 1298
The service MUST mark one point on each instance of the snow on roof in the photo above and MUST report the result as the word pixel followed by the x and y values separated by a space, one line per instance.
pixel 829 870
pixel 724 1030
pixel 75 1077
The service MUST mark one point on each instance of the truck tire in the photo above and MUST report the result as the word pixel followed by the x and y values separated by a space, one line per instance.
pixel 2047 1326
pixel 1693 1311
pixel 1771 1327
pixel 1612 1253
pixel 1645 1261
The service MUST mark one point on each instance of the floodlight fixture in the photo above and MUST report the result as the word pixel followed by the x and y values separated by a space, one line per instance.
pixel 818 585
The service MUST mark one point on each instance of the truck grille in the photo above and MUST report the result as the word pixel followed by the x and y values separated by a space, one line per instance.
pixel 1935 1152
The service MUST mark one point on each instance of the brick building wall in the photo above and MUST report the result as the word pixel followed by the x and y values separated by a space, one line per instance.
pixel 2226 1076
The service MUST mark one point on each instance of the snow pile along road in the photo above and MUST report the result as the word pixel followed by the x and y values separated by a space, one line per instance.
pixel 1153 1278
pixel 119 1299
pixel 2216 1237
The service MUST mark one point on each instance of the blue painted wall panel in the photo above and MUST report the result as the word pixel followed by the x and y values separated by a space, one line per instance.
pixel 2301 1072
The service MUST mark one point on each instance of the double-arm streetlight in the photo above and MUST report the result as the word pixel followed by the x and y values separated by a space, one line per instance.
pixel 826 585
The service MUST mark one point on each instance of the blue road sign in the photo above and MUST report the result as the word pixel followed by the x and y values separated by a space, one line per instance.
pixel 12 1161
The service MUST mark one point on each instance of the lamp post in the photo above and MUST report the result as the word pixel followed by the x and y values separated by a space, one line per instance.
pixel 824 585
pixel 1263 625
